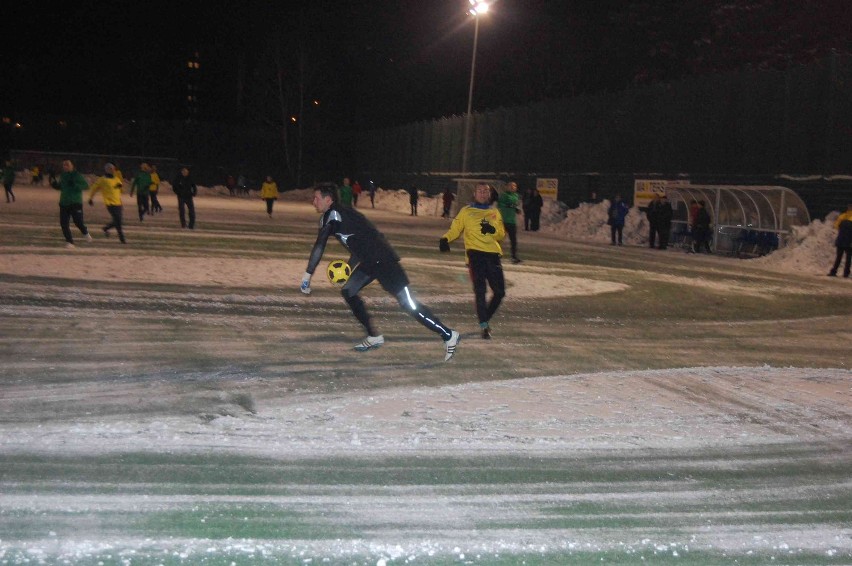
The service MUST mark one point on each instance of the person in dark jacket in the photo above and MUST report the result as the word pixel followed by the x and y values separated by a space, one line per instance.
pixel 701 229
pixel 664 220
pixel 533 205
pixel 9 180
pixel 615 218
pixel 185 190
pixel 653 214
pixel 71 185
pixel 372 258
pixel 843 243
pixel 413 197
pixel 447 198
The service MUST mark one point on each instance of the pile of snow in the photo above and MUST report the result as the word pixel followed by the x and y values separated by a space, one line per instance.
pixel 810 249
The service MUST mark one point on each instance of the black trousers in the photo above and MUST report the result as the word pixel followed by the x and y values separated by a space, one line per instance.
pixel 142 204
pixel 512 231
pixel 186 205
pixel 664 231
pixel 846 267
pixel 66 214
pixel 616 231
pixel 485 269
pixel 115 213
pixel 9 192
pixel 155 203
pixel 653 230
pixel 269 203
pixel 394 280
pixel 534 218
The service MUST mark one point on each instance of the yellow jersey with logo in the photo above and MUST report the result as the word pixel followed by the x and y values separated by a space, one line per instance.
pixel 110 189
pixel 469 222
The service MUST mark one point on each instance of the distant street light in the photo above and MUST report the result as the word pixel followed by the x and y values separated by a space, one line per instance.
pixel 477 7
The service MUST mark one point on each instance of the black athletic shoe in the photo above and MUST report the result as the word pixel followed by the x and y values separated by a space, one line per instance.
pixel 486 333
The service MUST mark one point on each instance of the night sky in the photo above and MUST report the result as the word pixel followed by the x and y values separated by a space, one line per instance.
pixel 376 63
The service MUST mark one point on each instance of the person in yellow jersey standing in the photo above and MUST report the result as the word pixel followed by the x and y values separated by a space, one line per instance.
pixel 483 230
pixel 269 193
pixel 110 188
pixel 154 190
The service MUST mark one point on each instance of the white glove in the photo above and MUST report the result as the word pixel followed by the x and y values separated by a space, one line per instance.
pixel 306 284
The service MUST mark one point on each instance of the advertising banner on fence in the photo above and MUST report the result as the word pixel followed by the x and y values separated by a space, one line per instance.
pixel 547 188
pixel 646 189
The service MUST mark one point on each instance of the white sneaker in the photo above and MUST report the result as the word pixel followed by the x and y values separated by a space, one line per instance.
pixel 451 345
pixel 369 343
pixel 88 237
pixel 70 246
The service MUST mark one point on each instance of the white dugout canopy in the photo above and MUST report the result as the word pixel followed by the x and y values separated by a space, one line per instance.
pixel 738 210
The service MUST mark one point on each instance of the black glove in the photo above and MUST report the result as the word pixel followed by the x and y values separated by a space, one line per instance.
pixel 444 245
pixel 486 228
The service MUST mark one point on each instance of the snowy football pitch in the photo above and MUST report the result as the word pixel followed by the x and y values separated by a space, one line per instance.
pixel 178 401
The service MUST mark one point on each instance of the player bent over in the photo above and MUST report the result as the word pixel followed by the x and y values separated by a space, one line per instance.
pixel 483 229
pixel 372 258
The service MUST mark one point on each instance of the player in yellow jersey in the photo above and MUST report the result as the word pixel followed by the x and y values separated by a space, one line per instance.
pixel 110 188
pixel 482 227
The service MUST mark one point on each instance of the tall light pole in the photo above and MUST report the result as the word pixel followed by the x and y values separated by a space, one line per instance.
pixel 477 7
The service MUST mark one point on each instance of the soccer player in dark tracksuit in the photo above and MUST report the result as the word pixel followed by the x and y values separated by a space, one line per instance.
pixel 372 258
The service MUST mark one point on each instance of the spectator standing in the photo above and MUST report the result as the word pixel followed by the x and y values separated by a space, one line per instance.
pixel 843 243
pixel 141 185
pixel 269 193
pixel 345 192
pixel 507 204
pixel 154 190
pixel 525 206
pixel 372 258
pixel 617 213
pixel 534 206
pixel 701 229
pixel 110 188
pixel 372 188
pixel 71 185
pixel 9 180
pixel 448 197
pixel 35 174
pixel 231 185
pixel 483 230
pixel 413 197
pixel 653 214
pixel 356 192
pixel 185 190
pixel 664 220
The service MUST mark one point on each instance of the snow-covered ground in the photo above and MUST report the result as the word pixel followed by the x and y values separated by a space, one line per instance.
pixel 117 448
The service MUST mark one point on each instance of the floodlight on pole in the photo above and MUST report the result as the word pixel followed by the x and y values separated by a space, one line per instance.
pixel 478 7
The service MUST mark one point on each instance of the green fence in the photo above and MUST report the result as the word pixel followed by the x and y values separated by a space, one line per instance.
pixel 748 122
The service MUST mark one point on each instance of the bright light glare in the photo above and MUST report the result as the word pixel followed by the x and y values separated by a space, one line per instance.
pixel 478 7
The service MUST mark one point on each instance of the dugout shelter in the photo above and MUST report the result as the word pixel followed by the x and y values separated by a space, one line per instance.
pixel 747 220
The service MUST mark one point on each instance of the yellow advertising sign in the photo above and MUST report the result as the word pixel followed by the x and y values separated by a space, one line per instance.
pixel 644 190
pixel 547 188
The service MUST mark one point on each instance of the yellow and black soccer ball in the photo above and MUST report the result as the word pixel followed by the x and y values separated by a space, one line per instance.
pixel 338 272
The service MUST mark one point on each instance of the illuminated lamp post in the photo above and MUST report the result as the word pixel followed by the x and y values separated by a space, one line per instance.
pixel 478 7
